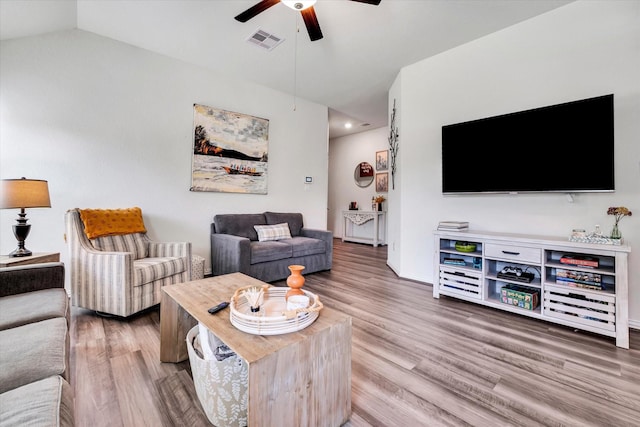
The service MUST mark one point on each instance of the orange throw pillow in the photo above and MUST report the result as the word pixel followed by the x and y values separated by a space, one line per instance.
pixel 112 222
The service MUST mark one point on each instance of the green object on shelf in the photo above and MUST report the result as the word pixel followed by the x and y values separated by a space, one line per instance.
pixel 615 232
pixel 519 296
pixel 465 247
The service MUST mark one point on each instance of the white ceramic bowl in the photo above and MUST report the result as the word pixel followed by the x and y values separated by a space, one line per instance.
pixel 297 301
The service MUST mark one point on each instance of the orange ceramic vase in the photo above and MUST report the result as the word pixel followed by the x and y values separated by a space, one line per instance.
pixel 295 281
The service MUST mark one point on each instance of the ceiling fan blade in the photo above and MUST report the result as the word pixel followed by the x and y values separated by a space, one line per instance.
pixel 256 9
pixel 311 21
pixel 373 2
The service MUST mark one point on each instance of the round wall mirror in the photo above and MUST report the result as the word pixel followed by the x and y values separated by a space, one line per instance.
pixel 363 175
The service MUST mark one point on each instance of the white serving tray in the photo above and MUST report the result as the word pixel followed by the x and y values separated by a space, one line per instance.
pixel 273 317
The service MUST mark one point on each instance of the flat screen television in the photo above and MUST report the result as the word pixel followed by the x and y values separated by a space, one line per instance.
pixel 565 148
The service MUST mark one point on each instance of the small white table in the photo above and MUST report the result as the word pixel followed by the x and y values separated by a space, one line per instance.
pixel 358 218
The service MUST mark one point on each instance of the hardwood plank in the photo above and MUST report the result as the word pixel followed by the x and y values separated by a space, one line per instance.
pixel 178 395
pixel 356 421
pixel 145 330
pixel 120 338
pixel 91 378
pixel 416 360
pixel 459 410
pixel 577 408
pixel 94 386
pixel 138 398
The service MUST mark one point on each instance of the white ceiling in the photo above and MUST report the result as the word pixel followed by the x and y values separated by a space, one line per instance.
pixel 350 70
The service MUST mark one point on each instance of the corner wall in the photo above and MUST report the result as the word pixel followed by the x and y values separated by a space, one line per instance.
pixel 581 50
pixel 345 153
pixel 110 125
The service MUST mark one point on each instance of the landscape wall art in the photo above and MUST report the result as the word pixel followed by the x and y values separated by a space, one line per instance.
pixel 230 151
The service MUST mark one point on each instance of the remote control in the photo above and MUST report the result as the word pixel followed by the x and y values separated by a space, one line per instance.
pixel 217 308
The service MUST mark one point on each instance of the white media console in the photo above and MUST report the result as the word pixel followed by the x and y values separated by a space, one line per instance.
pixel 473 276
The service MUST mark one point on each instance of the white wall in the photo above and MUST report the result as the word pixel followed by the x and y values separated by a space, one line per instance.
pixel 395 211
pixel 110 125
pixel 345 153
pixel 584 49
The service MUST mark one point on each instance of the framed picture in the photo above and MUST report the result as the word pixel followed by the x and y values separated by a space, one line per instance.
pixel 230 151
pixel 382 160
pixel 382 182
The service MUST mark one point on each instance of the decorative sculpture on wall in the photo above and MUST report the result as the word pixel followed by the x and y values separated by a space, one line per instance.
pixel 393 144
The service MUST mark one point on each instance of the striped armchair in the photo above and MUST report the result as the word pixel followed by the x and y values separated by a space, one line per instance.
pixel 123 274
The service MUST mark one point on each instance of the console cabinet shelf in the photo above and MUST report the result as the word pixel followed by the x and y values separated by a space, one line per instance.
pixel 580 285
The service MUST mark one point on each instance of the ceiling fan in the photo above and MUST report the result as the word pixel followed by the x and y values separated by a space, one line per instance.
pixel 304 6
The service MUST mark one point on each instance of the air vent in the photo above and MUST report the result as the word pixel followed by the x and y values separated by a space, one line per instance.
pixel 264 39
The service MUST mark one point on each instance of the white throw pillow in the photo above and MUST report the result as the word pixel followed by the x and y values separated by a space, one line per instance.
pixel 273 232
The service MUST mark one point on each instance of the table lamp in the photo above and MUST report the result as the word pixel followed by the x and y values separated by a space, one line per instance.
pixel 20 194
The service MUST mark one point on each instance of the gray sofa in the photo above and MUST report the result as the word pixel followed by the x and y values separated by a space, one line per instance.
pixel 235 246
pixel 34 347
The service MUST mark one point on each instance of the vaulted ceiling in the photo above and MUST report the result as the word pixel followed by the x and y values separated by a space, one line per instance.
pixel 350 70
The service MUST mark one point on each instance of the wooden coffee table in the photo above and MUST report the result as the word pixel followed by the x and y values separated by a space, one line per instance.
pixel 297 379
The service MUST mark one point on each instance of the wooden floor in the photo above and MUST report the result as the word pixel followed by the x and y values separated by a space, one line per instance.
pixel 417 361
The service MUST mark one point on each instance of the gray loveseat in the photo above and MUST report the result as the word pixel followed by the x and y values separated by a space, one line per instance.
pixel 34 347
pixel 235 246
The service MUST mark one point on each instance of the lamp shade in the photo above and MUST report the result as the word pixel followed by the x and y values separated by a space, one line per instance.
pixel 24 193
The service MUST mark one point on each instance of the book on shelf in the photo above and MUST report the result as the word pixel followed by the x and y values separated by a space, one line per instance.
pixel 582 261
pixel 453 225
pixel 453 261
pixel 579 275
pixel 579 283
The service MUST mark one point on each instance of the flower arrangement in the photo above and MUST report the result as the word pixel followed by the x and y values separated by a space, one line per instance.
pixel 618 212
pixel 379 198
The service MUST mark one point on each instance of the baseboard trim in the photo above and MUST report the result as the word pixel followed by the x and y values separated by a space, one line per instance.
pixel 393 268
pixel 634 324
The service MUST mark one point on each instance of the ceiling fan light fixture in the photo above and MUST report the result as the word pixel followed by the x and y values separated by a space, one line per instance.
pixel 305 7
pixel 299 4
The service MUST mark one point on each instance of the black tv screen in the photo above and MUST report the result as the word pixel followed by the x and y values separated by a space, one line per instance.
pixel 564 148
